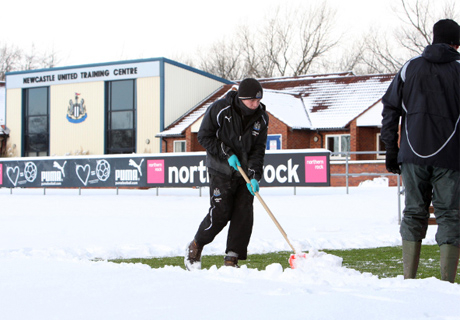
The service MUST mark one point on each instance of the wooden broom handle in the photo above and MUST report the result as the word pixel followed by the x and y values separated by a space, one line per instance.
pixel 267 209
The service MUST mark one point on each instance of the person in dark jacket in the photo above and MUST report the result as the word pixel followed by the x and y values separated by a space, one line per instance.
pixel 425 96
pixel 234 133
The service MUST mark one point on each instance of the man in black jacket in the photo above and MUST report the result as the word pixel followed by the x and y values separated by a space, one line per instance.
pixel 425 95
pixel 234 133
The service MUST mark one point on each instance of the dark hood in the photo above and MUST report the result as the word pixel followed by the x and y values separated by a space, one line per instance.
pixel 440 53
pixel 230 97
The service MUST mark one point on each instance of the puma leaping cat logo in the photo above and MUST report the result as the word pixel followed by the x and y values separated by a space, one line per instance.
pixel 57 165
pixel 132 163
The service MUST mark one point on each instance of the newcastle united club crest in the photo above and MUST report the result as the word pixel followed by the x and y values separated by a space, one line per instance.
pixel 76 112
pixel 256 128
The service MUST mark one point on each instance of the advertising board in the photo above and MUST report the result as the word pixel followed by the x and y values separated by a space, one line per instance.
pixel 299 168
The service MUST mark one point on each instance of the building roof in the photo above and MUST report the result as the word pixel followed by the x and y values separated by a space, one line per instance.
pixel 178 127
pixel 161 60
pixel 315 102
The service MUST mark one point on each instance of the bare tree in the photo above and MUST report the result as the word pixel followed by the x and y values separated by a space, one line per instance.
pixel 295 41
pixel 9 59
pixel 316 39
pixel 351 59
pixel 251 58
pixel 29 59
pixel 49 59
pixel 295 38
pixel 288 43
pixel 15 59
pixel 417 34
pixel 276 43
pixel 222 60
pixel 379 55
pixel 390 52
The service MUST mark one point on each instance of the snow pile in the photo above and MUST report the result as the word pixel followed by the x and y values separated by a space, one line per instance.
pixel 47 243
pixel 376 182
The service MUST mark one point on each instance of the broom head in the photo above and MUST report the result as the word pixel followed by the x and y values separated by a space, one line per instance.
pixel 296 259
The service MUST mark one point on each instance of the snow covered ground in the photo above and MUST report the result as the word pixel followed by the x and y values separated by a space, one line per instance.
pixel 48 242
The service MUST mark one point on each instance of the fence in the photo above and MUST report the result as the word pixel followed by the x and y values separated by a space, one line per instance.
pixel 282 168
pixel 347 173
pixel 129 171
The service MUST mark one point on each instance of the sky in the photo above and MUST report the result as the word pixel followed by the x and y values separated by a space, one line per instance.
pixel 54 252
pixel 91 31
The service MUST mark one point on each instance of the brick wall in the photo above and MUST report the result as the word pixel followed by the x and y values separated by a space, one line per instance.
pixel 191 143
pixel 357 167
pixel 354 139
pixel 194 144
pixel 275 126
pixel 300 139
pixel 368 142
pixel 167 144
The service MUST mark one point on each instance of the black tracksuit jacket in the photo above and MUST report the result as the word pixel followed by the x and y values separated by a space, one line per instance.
pixel 425 94
pixel 222 134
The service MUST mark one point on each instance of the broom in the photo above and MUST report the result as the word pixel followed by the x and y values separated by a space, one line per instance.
pixel 294 257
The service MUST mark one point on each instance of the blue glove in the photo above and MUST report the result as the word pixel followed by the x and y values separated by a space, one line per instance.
pixel 234 162
pixel 253 187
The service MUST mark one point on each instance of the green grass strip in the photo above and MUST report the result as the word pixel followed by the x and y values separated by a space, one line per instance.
pixel 385 262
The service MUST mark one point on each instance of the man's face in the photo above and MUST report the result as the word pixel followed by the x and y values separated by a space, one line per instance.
pixel 251 103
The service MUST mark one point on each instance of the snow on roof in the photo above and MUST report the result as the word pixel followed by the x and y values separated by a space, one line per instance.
pixel 334 103
pixel 313 102
pixel 330 101
pixel 304 77
pixel 286 107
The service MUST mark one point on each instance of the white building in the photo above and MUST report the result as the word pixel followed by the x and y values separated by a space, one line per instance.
pixel 97 109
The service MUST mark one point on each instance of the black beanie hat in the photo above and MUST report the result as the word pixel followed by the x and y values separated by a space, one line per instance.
pixel 446 31
pixel 250 88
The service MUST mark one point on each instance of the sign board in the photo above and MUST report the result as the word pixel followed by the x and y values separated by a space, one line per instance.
pixel 107 72
pixel 155 170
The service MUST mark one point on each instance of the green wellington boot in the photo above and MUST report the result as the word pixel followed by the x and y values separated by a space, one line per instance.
pixel 449 262
pixel 411 257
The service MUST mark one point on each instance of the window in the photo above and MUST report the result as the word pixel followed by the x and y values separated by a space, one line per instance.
pixel 338 143
pixel 380 147
pixel 179 146
pixel 274 142
pixel 36 122
pixel 121 117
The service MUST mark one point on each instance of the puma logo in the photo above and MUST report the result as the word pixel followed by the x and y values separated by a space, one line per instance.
pixel 57 165
pixel 228 118
pixel 132 163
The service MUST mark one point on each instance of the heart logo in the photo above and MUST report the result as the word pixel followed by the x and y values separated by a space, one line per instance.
pixel 13 174
pixel 83 173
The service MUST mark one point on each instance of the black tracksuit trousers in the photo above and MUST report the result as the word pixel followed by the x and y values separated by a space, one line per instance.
pixel 230 201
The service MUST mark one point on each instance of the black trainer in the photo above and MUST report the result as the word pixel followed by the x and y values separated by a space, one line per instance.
pixel 192 258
